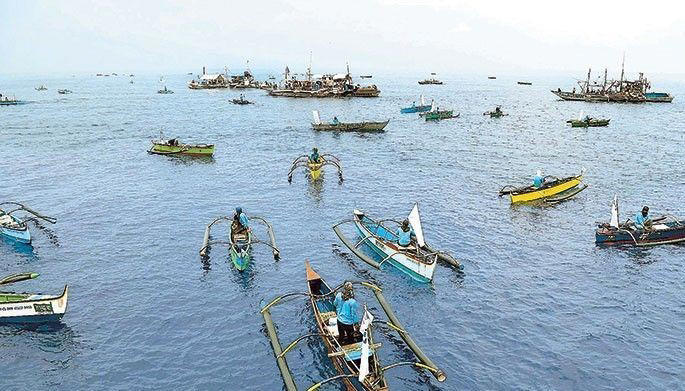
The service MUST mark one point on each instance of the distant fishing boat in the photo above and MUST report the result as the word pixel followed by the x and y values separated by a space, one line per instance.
pixel 7 101
pixel 241 101
pixel 496 113
pixel 42 87
pixel 64 91
pixel 165 91
pixel 492 77
pixel 524 83
pixel 422 107
pixel 588 122
pixel 174 147
pixel 371 126
pixel 365 76
pixel 25 308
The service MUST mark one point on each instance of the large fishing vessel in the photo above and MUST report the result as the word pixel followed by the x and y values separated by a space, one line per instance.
pixel 322 86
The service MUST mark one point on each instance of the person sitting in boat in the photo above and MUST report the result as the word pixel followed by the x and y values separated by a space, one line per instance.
pixel 642 220
pixel 347 311
pixel 404 234
pixel 498 110
pixel 314 157
pixel 538 180
pixel 240 220
pixel 335 121
pixel 173 142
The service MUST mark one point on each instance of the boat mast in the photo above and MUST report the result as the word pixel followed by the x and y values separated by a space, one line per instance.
pixel 587 83
pixel 604 87
pixel 623 63
pixel 309 69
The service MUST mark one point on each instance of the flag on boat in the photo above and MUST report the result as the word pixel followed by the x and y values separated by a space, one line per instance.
pixel 364 364
pixel 415 221
pixel 614 212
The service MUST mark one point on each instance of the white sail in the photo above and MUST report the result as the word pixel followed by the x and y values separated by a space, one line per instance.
pixel 423 101
pixel 580 115
pixel 415 221
pixel 317 119
pixel 614 212
pixel 364 364
pixel 433 108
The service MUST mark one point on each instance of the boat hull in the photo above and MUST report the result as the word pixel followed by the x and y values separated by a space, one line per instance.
pixel 584 124
pixel 352 126
pixel 240 252
pixel 546 192
pixel 438 115
pixel 415 109
pixel 315 170
pixel 671 232
pixel 191 150
pixel 419 271
pixel 42 309
pixel 20 234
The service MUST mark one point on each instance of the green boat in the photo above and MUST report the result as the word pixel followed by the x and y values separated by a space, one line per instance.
pixel 497 113
pixel 588 122
pixel 240 247
pixel 440 114
pixel 174 147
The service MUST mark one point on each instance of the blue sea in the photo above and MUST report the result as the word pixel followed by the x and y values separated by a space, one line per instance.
pixel 537 306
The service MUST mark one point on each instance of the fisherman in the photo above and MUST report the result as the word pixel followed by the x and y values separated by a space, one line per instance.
pixel 574 90
pixel 240 220
pixel 498 110
pixel 347 311
pixel 642 219
pixel 404 233
pixel 314 156
pixel 335 121
pixel 538 180
pixel 241 98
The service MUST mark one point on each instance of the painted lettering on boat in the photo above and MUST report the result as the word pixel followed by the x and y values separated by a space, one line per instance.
pixel 16 308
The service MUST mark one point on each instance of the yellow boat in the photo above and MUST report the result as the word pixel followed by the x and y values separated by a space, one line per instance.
pixel 315 169
pixel 551 186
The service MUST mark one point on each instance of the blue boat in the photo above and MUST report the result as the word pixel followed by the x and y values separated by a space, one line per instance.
pixel 16 228
pixel 658 97
pixel 423 107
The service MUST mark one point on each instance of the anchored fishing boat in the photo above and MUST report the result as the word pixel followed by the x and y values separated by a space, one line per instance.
pixel 492 77
pixel 422 107
pixel 322 86
pixel 417 259
pixel 17 228
pixel 661 230
pixel 377 126
pixel 206 81
pixel 30 307
pixel 240 241
pixel 175 147
pixel 553 190
pixel 357 363
pixel 314 167
pixel 588 122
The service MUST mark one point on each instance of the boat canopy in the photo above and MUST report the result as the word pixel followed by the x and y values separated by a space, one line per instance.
pixel 339 76
pixel 415 221
pixel 211 77
pixel 614 212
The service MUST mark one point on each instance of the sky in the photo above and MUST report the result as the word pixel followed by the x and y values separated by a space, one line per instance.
pixel 396 37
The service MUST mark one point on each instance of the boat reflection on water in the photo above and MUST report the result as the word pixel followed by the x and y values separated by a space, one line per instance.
pixel 186 160
pixel 54 343
pixel 315 188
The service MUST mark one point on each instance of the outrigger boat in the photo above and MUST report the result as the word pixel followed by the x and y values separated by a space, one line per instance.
pixel 496 113
pixel 165 91
pixel 662 230
pixel 347 126
pixel 553 190
pixel 418 260
pixel 416 109
pixel 239 241
pixel 314 168
pixel 588 122
pixel 357 364
pixel 42 87
pixel 241 101
pixel 16 228
pixel 174 147
pixel 64 91
pixel 30 307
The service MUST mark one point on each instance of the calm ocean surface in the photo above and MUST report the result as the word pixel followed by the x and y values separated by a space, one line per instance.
pixel 538 306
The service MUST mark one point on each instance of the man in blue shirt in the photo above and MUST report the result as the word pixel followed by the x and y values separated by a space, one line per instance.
pixel 347 310
pixel 335 121
pixel 314 156
pixel 538 180
pixel 642 220
pixel 240 220
pixel 404 234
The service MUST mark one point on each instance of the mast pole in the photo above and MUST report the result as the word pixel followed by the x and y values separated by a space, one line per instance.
pixel 587 83
pixel 623 63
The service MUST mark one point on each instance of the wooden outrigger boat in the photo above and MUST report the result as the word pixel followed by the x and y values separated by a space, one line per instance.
pixel 174 147
pixel 348 126
pixel 662 230
pixel 241 101
pixel 42 87
pixel 64 91
pixel 418 260
pixel 357 364
pixel 588 122
pixel 30 307
pixel 16 228
pixel 553 190
pixel 497 113
pixel 422 107
pixel 239 241
pixel 440 115
pixel 314 168
pixel 165 91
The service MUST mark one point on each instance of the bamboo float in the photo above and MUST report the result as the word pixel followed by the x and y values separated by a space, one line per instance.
pixel 276 345
pixel 353 248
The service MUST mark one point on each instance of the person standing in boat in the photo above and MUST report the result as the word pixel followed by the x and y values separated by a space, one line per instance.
pixel 538 180
pixel 240 220
pixel 314 157
pixel 347 311
pixel 642 219
pixel 335 121
pixel 404 234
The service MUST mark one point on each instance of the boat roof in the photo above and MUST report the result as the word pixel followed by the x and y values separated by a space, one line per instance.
pixel 210 77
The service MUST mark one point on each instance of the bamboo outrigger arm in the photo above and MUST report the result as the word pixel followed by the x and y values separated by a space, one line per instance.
pixel 337 166
pixel 352 247
pixel 276 345
pixel 272 238
pixel 23 207
pixel 330 379
pixel 294 167
pixel 206 244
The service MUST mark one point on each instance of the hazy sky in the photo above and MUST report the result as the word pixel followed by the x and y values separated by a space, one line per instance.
pixel 414 37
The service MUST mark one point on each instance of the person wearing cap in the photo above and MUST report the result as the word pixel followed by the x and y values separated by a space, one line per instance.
pixel 404 233
pixel 347 311
pixel 538 180
pixel 642 220
pixel 314 157
pixel 240 220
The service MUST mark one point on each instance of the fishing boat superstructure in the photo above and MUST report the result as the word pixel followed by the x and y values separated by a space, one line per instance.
pixel 357 363
pixel 206 81
pixel 370 126
pixel 314 168
pixel 17 228
pixel 661 230
pixel 239 241
pixel 622 90
pixel 418 259
pixel 553 190
pixel 26 308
